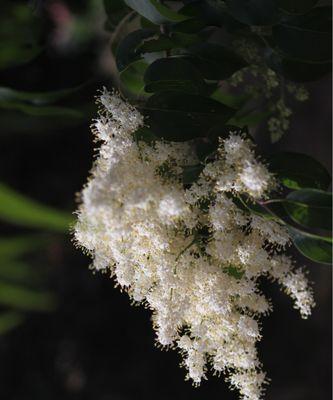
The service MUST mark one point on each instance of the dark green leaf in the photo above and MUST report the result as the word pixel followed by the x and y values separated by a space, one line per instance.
pixel 206 149
pixel 302 43
pixel 254 208
pixel 297 171
pixel 317 19
pixel 254 12
pixel 175 40
pixel 145 135
pixel 146 24
pixel 250 119
pixel 316 248
pixel 272 209
pixel 191 25
pixel 132 77
pixel 155 12
pixel 127 51
pixel 177 116
pixel 115 11
pixel 185 40
pixel 296 70
pixel 18 209
pixel 173 74
pixel 156 44
pixel 153 43
pixel 296 6
pixel 230 100
pixel 310 207
pixel 208 13
pixel 112 7
pixel 214 61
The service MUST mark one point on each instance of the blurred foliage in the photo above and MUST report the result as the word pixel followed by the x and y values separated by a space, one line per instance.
pixel 20 32
pixel 19 209
pixel 38 37
pixel 21 284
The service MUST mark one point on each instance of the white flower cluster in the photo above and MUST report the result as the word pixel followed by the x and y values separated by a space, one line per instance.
pixel 259 81
pixel 187 253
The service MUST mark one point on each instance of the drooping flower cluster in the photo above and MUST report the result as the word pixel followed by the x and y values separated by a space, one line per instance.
pixel 187 252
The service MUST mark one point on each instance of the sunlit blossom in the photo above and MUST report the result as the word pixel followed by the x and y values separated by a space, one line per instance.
pixel 195 267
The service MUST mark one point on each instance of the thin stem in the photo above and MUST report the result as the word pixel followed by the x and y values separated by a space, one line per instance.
pixel 186 248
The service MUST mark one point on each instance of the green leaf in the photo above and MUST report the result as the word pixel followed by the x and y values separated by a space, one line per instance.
pixel 296 6
pixel 214 61
pixel 296 70
pixel 230 100
pixel 137 43
pixel 310 207
pixel 254 12
pixel 156 44
pixel 144 134
pixel 132 77
pixel 205 149
pixel 146 24
pixel 175 40
pixel 303 43
pixel 14 247
pixel 316 248
pixel 115 11
pixel 250 119
pixel 25 299
pixel 155 11
pixel 208 13
pixel 173 74
pixel 19 209
pixel 10 320
pixel 190 26
pixel 254 208
pixel 185 40
pixel 298 171
pixel 177 116
pixel 236 272
pixel 128 49
pixel 112 7
pixel 317 19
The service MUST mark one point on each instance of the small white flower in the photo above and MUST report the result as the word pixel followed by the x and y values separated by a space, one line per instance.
pixel 256 179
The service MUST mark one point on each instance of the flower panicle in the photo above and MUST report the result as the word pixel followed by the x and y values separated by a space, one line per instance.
pixel 188 254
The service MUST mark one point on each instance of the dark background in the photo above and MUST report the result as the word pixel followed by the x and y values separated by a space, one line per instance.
pixel 94 345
